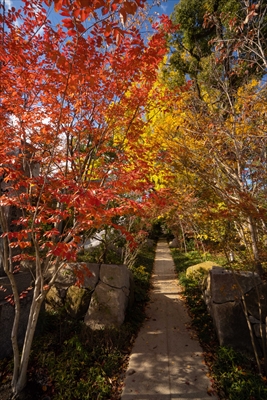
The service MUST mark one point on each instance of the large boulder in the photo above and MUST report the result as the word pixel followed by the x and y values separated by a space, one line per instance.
pixel 107 307
pixel 224 293
pixel 174 243
pixel 110 298
pixel 120 277
pixel 255 296
pixel 55 299
pixel 85 274
pixel 73 288
pixel 100 292
pixel 225 285
pixel 117 276
pixel 231 326
pixel 77 301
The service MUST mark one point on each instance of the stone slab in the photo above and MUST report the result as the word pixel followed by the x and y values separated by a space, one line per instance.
pixel 225 285
pixel 115 275
pixel 107 307
pixel 67 277
pixel 231 326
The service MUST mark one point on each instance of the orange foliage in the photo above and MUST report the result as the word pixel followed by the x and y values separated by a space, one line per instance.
pixel 67 108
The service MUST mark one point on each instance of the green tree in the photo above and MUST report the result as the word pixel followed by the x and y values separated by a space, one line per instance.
pixel 219 45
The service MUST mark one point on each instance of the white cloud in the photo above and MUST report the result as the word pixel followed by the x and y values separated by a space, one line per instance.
pixel 8 4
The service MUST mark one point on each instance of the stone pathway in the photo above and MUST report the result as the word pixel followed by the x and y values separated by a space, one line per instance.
pixel 166 361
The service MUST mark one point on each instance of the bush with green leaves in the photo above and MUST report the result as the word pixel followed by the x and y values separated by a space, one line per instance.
pixel 237 377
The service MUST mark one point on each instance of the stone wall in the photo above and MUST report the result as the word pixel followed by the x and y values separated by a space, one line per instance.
pixel 104 293
pixel 97 293
pixel 223 291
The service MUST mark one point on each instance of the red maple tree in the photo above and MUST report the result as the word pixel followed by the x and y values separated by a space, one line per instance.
pixel 70 104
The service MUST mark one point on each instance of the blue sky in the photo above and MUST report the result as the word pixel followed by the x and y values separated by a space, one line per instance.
pixel 166 7
pixel 163 7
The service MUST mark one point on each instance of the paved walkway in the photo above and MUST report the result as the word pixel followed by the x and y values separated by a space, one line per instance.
pixel 166 362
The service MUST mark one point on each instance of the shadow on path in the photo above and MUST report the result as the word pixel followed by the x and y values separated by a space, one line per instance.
pixel 166 361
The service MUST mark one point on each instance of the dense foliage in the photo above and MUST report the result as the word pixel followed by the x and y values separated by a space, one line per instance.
pixel 211 125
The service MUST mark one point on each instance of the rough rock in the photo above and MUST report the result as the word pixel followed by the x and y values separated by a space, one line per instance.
pixel 107 307
pixel 117 276
pixel 231 326
pixel 252 301
pixel 174 243
pixel 257 330
pixel 67 276
pixel 131 294
pixel 102 297
pixel 224 285
pixel 223 295
pixel 110 298
pixel 253 320
pixel 77 301
pixel 55 299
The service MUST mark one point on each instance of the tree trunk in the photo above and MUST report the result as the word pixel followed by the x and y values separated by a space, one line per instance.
pixel 21 381
pixel 8 269
pixel 183 236
pixel 254 245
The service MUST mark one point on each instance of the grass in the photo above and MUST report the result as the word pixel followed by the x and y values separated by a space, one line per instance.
pixel 234 376
pixel 69 361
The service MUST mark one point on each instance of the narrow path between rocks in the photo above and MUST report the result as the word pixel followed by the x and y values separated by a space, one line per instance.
pixel 166 361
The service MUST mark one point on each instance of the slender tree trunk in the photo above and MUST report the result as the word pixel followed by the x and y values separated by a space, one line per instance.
pixel 251 334
pixel 183 235
pixel 21 381
pixel 245 309
pixel 15 327
pixel 240 232
pixel 8 269
pixel 262 330
pixel 254 245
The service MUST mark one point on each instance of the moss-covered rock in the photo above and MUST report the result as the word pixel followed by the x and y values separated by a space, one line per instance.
pixel 197 269
pixel 54 299
pixel 77 301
